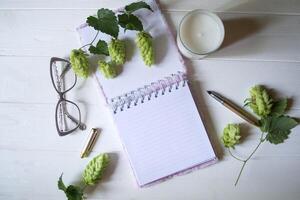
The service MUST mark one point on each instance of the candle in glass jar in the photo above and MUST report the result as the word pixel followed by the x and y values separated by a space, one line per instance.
pixel 200 32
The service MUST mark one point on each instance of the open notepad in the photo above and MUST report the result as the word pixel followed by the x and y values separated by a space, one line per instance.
pixel 153 108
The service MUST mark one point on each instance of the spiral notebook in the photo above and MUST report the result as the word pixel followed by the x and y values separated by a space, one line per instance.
pixel 153 109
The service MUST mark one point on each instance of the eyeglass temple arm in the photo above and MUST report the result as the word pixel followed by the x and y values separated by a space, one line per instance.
pixel 66 69
pixel 82 126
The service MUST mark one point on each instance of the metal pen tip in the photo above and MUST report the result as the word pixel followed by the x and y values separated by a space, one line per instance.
pixel 209 92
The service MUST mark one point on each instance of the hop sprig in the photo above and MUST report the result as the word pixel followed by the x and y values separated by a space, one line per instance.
pixel 275 126
pixel 107 69
pixel 260 101
pixel 95 169
pixel 80 63
pixel 231 135
pixel 144 43
pixel 116 49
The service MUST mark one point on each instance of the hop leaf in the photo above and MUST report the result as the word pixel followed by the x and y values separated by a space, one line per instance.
pixel 279 107
pixel 106 22
pixel 95 169
pixel 130 22
pixel 107 69
pixel 100 48
pixel 277 128
pixel 60 184
pixel 231 135
pixel 260 101
pixel 136 6
pixel 116 49
pixel 72 192
pixel 144 43
pixel 80 63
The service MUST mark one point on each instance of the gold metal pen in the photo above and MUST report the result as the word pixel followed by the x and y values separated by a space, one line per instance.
pixel 240 112
pixel 90 143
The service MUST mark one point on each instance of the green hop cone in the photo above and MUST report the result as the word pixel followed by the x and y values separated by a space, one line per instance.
pixel 231 135
pixel 260 101
pixel 80 63
pixel 107 69
pixel 144 43
pixel 95 169
pixel 116 49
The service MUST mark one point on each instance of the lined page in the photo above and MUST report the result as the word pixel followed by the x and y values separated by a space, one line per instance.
pixel 164 136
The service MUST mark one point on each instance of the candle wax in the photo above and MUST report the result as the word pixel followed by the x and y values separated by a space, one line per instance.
pixel 201 33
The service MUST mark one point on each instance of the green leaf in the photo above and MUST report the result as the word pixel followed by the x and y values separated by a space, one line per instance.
pixel 60 184
pixel 74 193
pixel 283 123
pixel 130 22
pixel 136 6
pixel 277 127
pixel 279 107
pixel 106 22
pixel 277 137
pixel 101 48
pixel 265 124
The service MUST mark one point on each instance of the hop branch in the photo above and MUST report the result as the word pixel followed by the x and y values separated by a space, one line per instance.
pixel 92 174
pixel 275 126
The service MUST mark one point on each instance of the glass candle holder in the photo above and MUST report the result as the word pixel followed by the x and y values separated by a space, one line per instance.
pixel 200 33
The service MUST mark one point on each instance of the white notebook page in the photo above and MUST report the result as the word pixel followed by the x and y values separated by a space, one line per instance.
pixel 164 136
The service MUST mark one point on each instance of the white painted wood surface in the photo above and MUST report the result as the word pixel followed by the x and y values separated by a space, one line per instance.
pixel 261 47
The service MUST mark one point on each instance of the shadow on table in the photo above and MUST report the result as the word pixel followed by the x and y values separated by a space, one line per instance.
pixel 198 95
pixel 237 29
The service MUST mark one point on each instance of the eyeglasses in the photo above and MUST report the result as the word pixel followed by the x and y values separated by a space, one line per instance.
pixel 67 113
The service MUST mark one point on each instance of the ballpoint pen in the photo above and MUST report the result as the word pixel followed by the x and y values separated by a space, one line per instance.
pixel 240 112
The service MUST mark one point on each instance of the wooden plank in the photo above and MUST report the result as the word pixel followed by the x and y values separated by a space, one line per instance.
pixel 256 6
pixel 248 36
pixel 32 128
pixel 22 74
pixel 27 174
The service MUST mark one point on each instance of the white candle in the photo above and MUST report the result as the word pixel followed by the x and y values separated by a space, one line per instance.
pixel 200 32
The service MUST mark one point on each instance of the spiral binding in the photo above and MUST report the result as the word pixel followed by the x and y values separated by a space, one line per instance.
pixel 146 93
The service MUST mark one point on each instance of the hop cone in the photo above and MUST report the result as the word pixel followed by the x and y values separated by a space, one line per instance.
pixel 80 63
pixel 95 169
pixel 260 102
pixel 107 69
pixel 144 43
pixel 231 135
pixel 116 49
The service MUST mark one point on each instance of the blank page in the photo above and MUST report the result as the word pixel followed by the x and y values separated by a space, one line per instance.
pixel 164 136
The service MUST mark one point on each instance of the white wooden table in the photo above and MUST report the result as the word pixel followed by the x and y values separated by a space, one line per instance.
pixel 261 47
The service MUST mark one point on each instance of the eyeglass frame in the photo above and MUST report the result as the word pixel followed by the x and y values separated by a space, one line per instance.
pixel 63 99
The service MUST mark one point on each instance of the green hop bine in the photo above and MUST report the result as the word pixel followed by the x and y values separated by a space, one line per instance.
pixel 116 49
pixel 107 69
pixel 144 43
pixel 80 63
pixel 231 135
pixel 260 101
pixel 95 169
